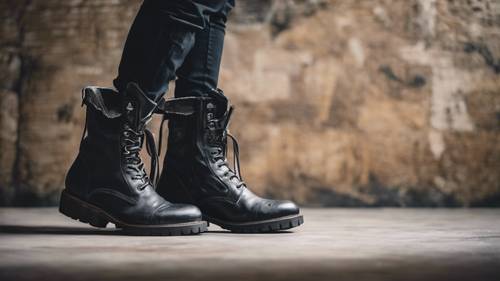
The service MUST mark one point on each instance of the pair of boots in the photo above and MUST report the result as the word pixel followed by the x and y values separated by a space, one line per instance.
pixel 107 183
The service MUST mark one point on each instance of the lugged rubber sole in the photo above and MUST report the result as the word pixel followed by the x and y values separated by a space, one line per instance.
pixel 264 226
pixel 78 209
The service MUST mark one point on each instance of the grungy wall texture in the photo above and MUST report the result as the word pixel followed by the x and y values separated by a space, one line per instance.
pixel 338 103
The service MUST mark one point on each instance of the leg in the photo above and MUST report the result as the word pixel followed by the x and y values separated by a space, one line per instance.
pixel 200 72
pixel 159 40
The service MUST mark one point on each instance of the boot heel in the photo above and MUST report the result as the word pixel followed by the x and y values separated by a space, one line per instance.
pixel 78 210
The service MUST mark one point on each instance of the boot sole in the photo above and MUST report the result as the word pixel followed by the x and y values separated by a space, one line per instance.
pixel 264 226
pixel 80 210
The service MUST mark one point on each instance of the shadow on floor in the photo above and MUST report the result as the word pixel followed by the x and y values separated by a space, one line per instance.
pixel 63 230
pixel 67 230
pixel 281 232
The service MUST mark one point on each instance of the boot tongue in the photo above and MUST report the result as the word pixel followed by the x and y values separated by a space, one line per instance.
pixel 137 106
pixel 220 102
pixel 217 118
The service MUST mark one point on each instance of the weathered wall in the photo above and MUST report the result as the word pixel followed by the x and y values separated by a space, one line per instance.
pixel 338 103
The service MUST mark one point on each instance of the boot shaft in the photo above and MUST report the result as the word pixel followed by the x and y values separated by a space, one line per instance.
pixel 197 146
pixel 201 132
pixel 115 130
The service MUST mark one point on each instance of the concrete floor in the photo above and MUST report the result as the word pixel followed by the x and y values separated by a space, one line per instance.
pixel 333 244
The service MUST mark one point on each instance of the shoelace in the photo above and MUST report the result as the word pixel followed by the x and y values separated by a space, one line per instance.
pixel 134 142
pixel 221 161
pixel 220 155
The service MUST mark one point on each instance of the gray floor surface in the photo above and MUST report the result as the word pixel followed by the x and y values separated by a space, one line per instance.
pixel 333 244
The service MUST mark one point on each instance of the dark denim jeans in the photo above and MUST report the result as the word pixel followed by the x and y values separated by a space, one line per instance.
pixel 175 38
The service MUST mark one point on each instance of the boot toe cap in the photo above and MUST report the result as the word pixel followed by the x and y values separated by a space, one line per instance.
pixel 278 208
pixel 286 208
pixel 178 213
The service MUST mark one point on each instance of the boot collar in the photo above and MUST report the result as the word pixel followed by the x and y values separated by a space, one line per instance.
pixel 107 101
pixel 112 104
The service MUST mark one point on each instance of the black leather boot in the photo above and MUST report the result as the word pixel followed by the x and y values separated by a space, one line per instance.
pixel 196 171
pixel 108 182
